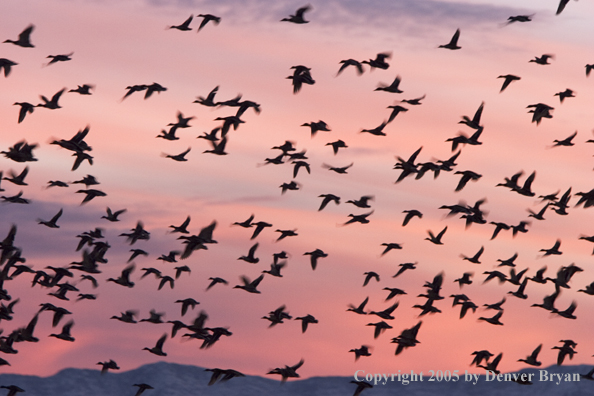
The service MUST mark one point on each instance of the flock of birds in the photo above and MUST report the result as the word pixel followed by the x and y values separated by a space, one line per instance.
pixel 63 282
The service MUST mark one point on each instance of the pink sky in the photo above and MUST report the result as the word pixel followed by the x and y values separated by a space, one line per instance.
pixel 117 44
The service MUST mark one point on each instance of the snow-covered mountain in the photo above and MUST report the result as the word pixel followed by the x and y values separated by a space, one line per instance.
pixel 181 380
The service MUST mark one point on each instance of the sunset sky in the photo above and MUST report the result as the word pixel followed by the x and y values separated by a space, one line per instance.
pixel 116 44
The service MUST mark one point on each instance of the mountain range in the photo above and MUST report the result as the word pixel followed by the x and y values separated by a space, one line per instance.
pixel 170 379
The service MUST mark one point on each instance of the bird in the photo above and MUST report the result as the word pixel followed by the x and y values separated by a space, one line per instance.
pixel 19 179
pixel 207 18
pixel 393 292
pixel 209 100
pixel 496 306
pixel 414 102
pixel 362 202
pixel 216 280
pixel 223 375
pixel 568 313
pixel 84 89
pixel 305 321
pixel 543 59
pixel 465 279
pixel 386 313
pixel 565 350
pixel 492 365
pixel 184 26
pixel 24 39
pixel 245 224
pixel 298 165
pixel 337 169
pixel 287 371
pixel 380 327
pixel 250 286
pixel 260 225
pixel 141 388
pixel 380 61
pixel 453 44
pixel 90 194
pixel 390 246
pixel 154 87
pixel 158 348
pixel 392 88
pixel 52 223
pixel 7 65
pixel 362 218
pixel 217 148
pixel 410 214
pixel 561 7
pixel 377 131
pixel 361 386
pixel 532 358
pixel 181 228
pixel 52 103
pixel 568 93
pixel 337 145
pixel 65 333
pixel 110 365
pixel 59 58
pixel 466 177
pixel 113 216
pixel 475 259
pixel 314 256
pixel 436 239
pixel 327 199
pixel 315 127
pixel 554 250
pixel 124 278
pixel 396 109
pixel 12 389
pixel 350 62
pixel 509 78
pixel 26 108
pixel 359 309
pixel 250 258
pixel 298 17
pixel 519 18
pixel 178 157
pixel 493 320
pixel 565 142
pixel 363 351
pixel 370 275
pixel 404 267
pixel 475 122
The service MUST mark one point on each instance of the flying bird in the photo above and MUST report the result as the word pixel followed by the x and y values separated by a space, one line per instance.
pixel 453 44
pixel 24 39
pixel 298 17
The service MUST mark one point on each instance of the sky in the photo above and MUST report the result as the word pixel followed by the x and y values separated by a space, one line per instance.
pixel 116 44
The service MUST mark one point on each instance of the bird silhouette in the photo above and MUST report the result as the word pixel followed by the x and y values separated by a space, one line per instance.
pixel 314 256
pixel 453 44
pixel 24 39
pixel 436 239
pixel 359 309
pixel 298 17
pixel 509 78
pixel 380 61
pixel 207 18
pixel 52 223
pixel 185 26
pixel 350 62
pixel 158 348
pixel 543 59
pixel 59 58
pixel 250 286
